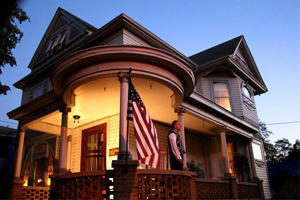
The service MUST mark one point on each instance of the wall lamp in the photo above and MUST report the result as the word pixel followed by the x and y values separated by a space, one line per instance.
pixel 76 119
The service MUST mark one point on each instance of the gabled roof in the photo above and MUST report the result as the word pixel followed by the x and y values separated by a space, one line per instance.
pixel 227 53
pixel 51 28
pixel 221 50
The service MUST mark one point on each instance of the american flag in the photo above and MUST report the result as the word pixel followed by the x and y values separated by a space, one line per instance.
pixel 145 132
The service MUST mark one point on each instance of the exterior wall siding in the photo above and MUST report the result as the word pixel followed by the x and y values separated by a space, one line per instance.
pixel 112 131
pixel 261 171
pixel 249 113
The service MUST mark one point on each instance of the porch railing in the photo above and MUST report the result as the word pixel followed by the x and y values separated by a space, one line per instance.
pixel 163 184
pixel 248 190
pixel 83 185
pixel 213 189
pixel 148 184
pixel 35 193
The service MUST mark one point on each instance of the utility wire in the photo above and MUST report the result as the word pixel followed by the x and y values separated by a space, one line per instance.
pixel 284 123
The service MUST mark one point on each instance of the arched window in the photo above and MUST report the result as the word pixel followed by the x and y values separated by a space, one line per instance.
pixel 39 166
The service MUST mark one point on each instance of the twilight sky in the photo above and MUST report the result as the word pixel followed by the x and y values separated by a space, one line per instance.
pixel 271 29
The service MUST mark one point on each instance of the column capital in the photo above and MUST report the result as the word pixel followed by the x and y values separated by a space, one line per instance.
pixel 23 128
pixel 123 77
pixel 223 128
pixel 65 109
pixel 180 111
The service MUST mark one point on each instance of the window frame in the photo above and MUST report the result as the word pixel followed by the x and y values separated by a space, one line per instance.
pixel 229 93
pixel 45 87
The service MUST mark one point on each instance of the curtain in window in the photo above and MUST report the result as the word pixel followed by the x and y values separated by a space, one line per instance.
pixel 221 94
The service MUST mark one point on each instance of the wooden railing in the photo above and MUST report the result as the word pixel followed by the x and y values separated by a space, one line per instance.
pixel 148 184
pixel 86 185
pixel 163 184
pixel 213 189
pixel 35 193
pixel 248 190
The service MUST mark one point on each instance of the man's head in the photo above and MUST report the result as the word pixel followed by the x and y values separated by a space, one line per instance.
pixel 176 125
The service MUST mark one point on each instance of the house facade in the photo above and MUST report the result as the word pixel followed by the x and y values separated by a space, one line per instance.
pixel 75 102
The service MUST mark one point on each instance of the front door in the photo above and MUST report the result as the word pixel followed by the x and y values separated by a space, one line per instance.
pixel 93 148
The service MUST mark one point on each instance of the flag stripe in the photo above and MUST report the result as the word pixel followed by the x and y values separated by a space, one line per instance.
pixel 145 132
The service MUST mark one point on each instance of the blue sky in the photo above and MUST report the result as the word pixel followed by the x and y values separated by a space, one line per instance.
pixel 271 29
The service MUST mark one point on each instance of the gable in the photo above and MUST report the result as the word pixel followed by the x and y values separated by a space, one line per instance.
pixel 124 36
pixel 62 31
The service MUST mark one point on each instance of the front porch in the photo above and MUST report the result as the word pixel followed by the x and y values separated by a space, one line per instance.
pixel 148 184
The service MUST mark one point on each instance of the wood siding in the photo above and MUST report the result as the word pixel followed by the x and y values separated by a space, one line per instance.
pixel 262 174
pixel 112 137
pixel 238 103
pixel 124 36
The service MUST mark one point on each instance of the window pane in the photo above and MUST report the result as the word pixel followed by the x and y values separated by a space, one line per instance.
pixel 257 151
pixel 38 91
pixel 38 172
pixel 221 94
pixel 221 90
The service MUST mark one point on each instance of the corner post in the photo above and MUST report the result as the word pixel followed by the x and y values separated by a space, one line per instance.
pixel 63 140
pixel 123 78
pixel 225 158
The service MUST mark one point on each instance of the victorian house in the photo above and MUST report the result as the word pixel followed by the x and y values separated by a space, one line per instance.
pixel 75 99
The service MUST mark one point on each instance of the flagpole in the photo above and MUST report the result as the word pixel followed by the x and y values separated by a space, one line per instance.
pixel 127 135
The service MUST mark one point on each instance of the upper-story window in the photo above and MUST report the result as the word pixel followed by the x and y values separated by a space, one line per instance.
pixel 40 89
pixel 221 94
pixel 64 33
pixel 246 91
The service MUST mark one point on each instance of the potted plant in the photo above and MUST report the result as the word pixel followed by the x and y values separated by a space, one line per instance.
pixel 193 167
pixel 241 166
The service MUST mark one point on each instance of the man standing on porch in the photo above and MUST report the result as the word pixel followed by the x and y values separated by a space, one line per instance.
pixel 176 148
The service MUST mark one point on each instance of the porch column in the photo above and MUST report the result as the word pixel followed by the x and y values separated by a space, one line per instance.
pixel 224 151
pixel 180 112
pixel 17 173
pixel 63 140
pixel 123 78
pixel 252 163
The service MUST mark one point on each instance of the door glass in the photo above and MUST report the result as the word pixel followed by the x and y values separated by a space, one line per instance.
pixel 94 152
pixel 38 172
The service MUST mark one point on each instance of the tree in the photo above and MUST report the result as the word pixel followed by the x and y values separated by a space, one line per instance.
pixel 283 147
pixel 10 35
pixel 271 153
pixel 263 131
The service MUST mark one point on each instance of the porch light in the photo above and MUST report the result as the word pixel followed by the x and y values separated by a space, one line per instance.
pixel 76 119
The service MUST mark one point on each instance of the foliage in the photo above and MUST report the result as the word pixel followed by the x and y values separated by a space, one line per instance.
pixel 193 167
pixel 10 35
pixel 271 153
pixel 281 151
pixel 241 165
pixel 263 131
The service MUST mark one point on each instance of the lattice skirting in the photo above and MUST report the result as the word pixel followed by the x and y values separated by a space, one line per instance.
pixel 248 191
pixel 213 190
pixel 33 193
pixel 163 187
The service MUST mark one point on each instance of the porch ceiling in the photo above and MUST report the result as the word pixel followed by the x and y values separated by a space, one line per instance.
pixel 100 98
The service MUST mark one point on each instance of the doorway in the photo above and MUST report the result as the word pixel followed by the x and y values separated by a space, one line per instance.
pixel 93 154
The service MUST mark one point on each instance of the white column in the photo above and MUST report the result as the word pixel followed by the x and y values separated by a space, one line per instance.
pixel 63 140
pixel 180 114
pixel 19 151
pixel 123 78
pixel 69 151
pixel 224 151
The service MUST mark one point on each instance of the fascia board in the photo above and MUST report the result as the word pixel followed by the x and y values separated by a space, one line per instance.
pixel 220 110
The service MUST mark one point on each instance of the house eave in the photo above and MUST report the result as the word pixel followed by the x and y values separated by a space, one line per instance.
pixel 221 112
pixel 260 87
pixel 123 21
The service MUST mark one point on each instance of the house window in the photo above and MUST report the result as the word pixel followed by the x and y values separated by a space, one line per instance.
pixel 246 91
pixel 56 43
pixel 40 89
pixel 231 148
pixel 221 94
pixel 39 166
pixel 257 153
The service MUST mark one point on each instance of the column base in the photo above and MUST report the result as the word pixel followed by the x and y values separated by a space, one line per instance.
pixel 16 189
pixel 122 155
